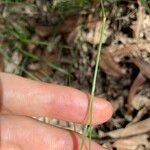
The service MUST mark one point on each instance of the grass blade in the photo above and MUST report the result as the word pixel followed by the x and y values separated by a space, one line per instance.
pixel 90 109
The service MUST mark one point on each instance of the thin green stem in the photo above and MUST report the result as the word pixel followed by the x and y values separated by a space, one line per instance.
pixel 90 110
pixel 95 77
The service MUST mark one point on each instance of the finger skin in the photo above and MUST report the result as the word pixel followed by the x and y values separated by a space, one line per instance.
pixel 26 97
pixel 23 133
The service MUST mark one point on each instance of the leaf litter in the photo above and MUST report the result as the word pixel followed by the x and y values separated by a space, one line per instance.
pixel 69 41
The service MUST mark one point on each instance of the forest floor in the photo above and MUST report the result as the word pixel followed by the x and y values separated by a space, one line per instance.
pixel 56 42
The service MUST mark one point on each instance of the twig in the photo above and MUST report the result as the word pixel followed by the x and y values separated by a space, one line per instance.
pixel 140 15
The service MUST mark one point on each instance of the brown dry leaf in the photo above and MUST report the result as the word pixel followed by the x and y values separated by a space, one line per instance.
pixel 146 27
pixel 94 26
pixel 141 113
pixel 91 22
pixel 72 36
pixel 134 143
pixel 109 66
pixel 139 80
pixel 126 51
pixel 93 36
pixel 139 22
pixel 96 33
pixel 69 24
pixel 137 128
pixel 144 66
pixel 139 55
pixel 112 134
pixel 109 60
pixel 140 101
pixel 141 26
pixel 131 130
pixel 43 30
pixel 132 50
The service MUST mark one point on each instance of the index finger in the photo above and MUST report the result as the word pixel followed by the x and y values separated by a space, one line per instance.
pixel 31 98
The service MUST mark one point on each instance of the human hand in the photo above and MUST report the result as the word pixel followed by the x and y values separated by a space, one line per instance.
pixel 21 98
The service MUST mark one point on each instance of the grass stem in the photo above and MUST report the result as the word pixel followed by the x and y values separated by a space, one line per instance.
pixel 90 109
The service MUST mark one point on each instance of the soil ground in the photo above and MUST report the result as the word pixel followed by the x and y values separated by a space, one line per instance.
pixel 56 42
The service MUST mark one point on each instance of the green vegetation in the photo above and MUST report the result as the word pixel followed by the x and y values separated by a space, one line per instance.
pixel 15 31
pixel 88 126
